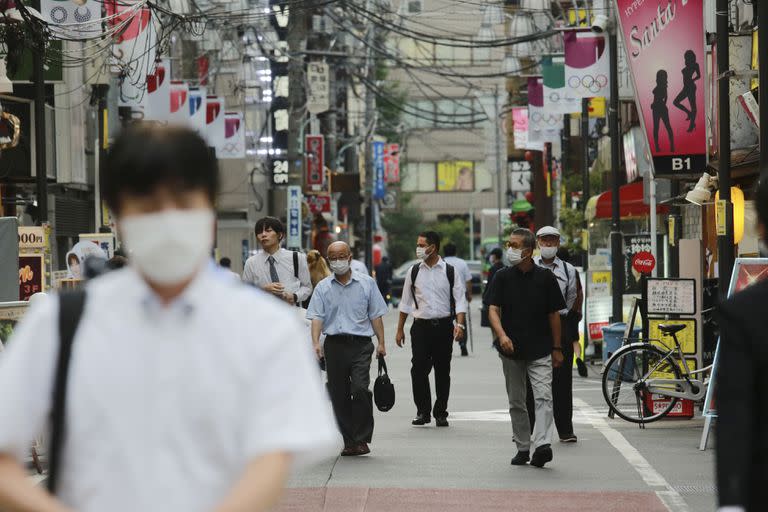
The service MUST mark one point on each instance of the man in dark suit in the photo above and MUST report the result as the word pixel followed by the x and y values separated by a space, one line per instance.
pixel 741 392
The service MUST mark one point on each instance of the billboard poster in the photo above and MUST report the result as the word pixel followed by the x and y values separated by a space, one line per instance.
pixel 665 49
pixel 379 186
pixel 31 275
pixel 553 73
pixel 314 161
pixel 234 137
pixel 586 66
pixel 455 176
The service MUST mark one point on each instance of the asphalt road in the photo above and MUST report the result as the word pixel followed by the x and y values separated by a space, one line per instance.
pixel 615 466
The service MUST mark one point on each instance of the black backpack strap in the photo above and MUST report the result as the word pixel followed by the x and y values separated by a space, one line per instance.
pixel 295 264
pixel 414 273
pixel 451 273
pixel 71 305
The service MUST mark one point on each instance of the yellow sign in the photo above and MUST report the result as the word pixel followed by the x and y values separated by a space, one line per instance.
pixel 686 337
pixel 582 14
pixel 720 207
pixel 601 277
pixel 596 108
pixel 755 61
pixel 671 230
pixel 455 176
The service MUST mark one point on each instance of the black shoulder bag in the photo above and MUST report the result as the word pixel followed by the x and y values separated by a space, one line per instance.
pixel 71 305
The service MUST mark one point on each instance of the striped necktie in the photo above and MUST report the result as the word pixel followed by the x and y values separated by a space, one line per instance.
pixel 272 270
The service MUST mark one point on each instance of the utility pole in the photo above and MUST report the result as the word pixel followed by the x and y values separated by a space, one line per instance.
pixel 297 98
pixel 585 186
pixel 617 256
pixel 499 167
pixel 370 107
pixel 41 167
pixel 725 242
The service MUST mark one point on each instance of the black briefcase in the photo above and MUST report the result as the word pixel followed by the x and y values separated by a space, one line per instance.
pixel 383 389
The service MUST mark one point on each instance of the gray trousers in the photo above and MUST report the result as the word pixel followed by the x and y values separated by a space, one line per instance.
pixel 540 373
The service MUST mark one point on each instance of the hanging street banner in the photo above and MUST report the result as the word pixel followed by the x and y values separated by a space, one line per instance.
pixel 197 109
pixel 314 162
pixel 553 72
pixel 543 125
pixel 379 186
pixel 158 106
pixel 587 66
pixel 392 163
pixel 293 240
pixel 234 137
pixel 520 127
pixel 214 122
pixel 318 93
pixel 179 99
pixel 665 48
pixel 68 19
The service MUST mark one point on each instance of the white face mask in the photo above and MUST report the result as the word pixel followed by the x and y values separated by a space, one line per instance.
pixel 514 256
pixel 169 246
pixel 548 253
pixel 421 253
pixel 339 267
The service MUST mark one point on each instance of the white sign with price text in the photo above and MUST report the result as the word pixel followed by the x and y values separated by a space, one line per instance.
pixel 294 217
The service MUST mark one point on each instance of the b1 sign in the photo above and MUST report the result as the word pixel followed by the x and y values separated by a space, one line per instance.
pixel 665 49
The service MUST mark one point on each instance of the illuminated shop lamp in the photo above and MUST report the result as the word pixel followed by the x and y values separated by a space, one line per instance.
pixel 737 198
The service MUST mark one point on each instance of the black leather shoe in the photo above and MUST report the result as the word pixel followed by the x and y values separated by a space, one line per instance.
pixel 521 459
pixel 421 419
pixel 441 422
pixel 541 456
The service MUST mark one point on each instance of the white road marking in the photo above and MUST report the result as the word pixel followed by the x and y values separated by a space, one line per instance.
pixel 666 493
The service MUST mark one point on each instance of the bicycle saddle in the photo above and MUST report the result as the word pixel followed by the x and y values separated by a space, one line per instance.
pixel 671 328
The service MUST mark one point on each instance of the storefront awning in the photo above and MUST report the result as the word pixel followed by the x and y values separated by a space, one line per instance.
pixel 630 203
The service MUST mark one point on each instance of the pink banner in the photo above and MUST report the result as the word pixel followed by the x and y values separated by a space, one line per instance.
pixel 665 48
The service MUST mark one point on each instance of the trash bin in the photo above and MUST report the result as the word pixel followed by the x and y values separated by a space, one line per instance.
pixel 613 338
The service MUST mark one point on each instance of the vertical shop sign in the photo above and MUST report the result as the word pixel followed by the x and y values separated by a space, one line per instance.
pixel 379 187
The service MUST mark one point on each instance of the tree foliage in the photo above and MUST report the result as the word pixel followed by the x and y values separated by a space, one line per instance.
pixel 403 227
pixel 454 231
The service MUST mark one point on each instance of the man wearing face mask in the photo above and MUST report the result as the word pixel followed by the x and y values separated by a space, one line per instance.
pixel 283 273
pixel 193 393
pixel 435 294
pixel 548 238
pixel 348 308
pixel 525 317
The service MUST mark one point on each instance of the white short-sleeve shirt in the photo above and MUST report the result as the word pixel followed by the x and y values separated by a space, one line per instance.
pixel 167 405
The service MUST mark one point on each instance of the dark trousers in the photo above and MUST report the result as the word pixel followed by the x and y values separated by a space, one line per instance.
pixel 348 364
pixel 562 394
pixel 431 346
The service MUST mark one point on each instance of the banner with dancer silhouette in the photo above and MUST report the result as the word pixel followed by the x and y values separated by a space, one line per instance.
pixel 665 49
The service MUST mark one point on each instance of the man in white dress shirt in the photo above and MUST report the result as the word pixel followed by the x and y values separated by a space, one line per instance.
pixel 186 392
pixel 281 272
pixel 462 269
pixel 434 304
pixel 548 238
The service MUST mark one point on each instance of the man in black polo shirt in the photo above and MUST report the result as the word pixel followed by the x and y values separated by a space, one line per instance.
pixel 524 314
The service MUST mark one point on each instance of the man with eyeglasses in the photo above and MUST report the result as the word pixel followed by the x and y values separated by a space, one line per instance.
pixel 525 317
pixel 348 308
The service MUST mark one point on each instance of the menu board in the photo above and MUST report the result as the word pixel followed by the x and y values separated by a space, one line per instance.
pixel 671 296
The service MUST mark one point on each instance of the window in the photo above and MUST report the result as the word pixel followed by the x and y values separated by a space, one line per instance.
pixel 415 51
pixel 414 6
pixel 420 114
pixel 419 177
pixel 481 55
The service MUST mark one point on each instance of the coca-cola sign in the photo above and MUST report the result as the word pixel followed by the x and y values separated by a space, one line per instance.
pixel 644 262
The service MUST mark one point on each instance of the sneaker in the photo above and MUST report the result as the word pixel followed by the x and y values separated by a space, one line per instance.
pixel 569 439
pixel 521 459
pixel 541 456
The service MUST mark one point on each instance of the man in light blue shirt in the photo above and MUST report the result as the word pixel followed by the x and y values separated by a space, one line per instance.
pixel 348 308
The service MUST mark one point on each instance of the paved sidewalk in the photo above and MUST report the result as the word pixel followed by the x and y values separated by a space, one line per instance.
pixel 614 466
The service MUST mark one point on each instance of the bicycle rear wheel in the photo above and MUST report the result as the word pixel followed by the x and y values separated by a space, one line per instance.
pixel 624 377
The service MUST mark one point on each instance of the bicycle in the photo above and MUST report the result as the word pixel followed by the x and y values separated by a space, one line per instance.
pixel 644 369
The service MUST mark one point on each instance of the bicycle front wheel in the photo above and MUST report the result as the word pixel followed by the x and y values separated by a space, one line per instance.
pixel 624 382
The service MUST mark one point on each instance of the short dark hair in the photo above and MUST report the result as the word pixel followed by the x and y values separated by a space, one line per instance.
pixel 762 202
pixel 497 252
pixel 225 262
pixel 529 239
pixel 145 156
pixel 433 238
pixel 272 223
pixel 449 249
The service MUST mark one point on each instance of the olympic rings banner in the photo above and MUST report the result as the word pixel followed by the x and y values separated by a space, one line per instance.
pixel 543 124
pixel 72 19
pixel 553 71
pixel 587 67
pixel 665 49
